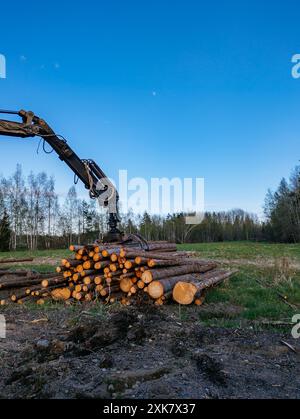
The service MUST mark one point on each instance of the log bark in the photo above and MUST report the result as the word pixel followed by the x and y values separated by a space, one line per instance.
pixel 163 247
pixel 153 263
pixel 2 261
pixel 134 253
pixel 46 283
pixel 137 253
pixel 128 275
pixel 43 276
pixel 10 273
pixel 83 274
pixel 19 284
pixel 24 281
pixel 153 275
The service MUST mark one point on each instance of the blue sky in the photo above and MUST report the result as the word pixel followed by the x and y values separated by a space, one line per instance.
pixel 160 88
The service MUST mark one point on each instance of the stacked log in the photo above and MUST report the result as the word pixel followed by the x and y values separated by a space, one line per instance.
pixel 115 273
pixel 10 261
pixel 21 286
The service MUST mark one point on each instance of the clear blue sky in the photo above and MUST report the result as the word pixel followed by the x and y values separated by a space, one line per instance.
pixel 225 105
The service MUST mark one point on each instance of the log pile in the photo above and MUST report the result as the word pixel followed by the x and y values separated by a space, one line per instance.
pixel 112 273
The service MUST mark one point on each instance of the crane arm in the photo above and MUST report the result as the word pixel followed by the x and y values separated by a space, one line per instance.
pixel 87 171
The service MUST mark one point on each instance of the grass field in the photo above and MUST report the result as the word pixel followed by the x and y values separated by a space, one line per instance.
pixel 267 273
pixel 266 289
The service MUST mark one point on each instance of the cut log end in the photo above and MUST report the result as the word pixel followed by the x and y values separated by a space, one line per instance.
pixel 147 277
pixel 199 301
pixel 114 258
pixel 45 283
pixel 141 285
pixel 155 290
pixel 126 285
pixel 61 294
pixel 184 293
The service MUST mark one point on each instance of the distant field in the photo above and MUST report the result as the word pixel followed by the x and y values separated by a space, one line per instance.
pixel 38 253
pixel 267 274
pixel 245 250
pixel 45 260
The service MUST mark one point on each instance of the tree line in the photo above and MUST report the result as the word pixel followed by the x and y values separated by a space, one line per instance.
pixel 37 219
pixel 33 217
pixel 282 210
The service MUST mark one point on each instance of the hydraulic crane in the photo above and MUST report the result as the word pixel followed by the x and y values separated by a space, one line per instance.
pixel 94 179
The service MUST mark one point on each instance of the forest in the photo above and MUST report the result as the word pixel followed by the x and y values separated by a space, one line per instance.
pixel 33 216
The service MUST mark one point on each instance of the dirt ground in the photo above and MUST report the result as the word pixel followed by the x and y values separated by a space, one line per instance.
pixel 137 353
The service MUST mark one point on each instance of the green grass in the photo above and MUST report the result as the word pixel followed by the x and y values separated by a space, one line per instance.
pixel 54 256
pixel 59 254
pixel 244 250
pixel 256 288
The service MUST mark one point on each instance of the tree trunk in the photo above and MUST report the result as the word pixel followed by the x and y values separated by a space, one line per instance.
pixel 16 260
pixel 157 274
